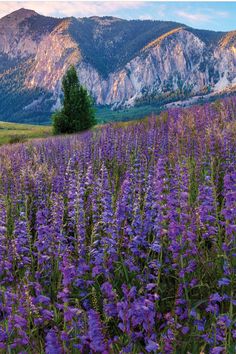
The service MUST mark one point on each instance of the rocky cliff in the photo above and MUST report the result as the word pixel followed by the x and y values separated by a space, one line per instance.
pixel 122 63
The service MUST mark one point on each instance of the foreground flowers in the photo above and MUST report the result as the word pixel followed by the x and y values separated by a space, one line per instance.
pixel 122 239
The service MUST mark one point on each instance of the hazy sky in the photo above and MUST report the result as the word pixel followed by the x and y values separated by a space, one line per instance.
pixel 220 16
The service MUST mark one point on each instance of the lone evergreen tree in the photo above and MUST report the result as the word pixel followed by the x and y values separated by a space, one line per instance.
pixel 77 111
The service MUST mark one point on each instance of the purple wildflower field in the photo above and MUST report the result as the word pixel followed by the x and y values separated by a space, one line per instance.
pixel 122 239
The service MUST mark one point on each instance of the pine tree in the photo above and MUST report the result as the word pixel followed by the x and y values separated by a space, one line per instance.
pixel 77 111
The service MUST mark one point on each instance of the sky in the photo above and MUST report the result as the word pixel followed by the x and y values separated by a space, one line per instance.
pixel 218 16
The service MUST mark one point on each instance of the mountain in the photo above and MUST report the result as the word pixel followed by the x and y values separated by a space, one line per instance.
pixel 122 63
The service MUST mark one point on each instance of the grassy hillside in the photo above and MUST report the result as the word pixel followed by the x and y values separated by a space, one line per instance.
pixel 14 133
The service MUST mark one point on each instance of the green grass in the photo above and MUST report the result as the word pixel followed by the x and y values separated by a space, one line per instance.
pixel 106 115
pixel 14 132
pixel 17 132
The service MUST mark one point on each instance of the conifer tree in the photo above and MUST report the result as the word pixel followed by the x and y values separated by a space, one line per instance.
pixel 77 110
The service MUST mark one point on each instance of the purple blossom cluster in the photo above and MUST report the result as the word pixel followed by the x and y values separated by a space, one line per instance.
pixel 122 239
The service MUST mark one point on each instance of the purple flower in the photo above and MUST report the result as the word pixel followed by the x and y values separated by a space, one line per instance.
pixel 52 343
pixel 216 297
pixel 151 346
pixel 185 330
pixel 95 333
pixel 218 350
pixel 42 299
pixel 121 238
pixel 224 282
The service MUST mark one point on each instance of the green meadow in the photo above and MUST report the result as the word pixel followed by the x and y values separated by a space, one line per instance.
pixel 17 133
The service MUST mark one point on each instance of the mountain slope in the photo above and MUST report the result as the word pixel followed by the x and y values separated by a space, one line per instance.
pixel 121 62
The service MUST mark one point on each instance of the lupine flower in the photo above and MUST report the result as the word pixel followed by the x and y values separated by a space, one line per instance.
pixel 122 239
pixel 52 343
pixel 95 334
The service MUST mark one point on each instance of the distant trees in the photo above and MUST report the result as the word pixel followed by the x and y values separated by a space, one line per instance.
pixel 77 111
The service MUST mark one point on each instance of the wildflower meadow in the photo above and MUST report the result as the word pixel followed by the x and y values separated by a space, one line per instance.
pixel 122 239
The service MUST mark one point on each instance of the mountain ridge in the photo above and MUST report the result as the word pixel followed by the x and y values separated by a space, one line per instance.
pixel 121 62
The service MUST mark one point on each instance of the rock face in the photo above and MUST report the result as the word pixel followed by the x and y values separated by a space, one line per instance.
pixel 121 62
pixel 54 54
